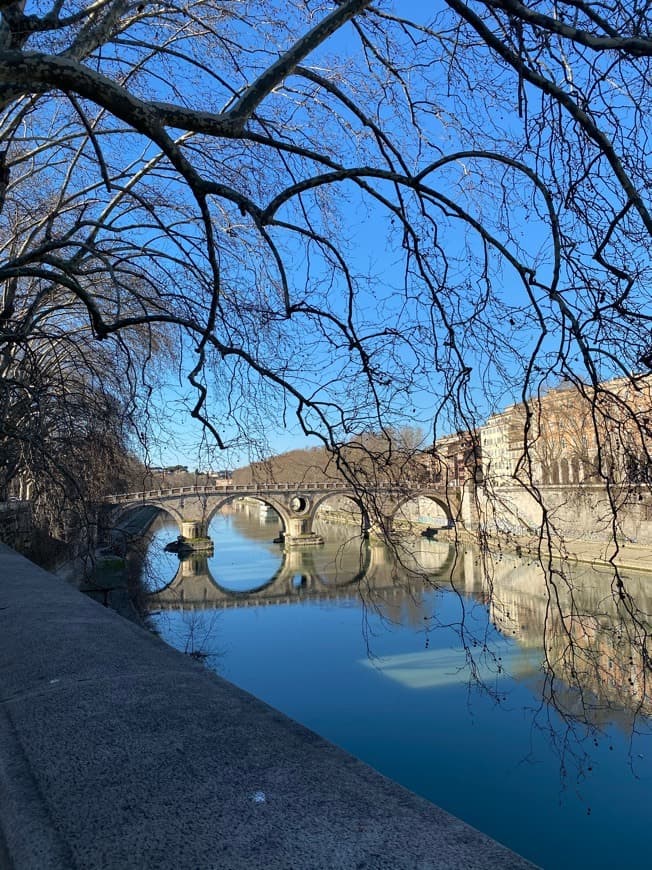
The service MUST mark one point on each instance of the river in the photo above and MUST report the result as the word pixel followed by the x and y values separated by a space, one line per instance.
pixel 520 707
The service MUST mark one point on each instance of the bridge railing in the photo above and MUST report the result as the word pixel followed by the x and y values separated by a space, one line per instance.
pixel 252 488
pixel 218 489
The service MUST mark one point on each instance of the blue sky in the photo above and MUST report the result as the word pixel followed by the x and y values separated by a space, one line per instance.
pixel 501 341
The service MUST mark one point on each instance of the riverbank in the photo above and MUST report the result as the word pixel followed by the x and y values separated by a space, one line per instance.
pixel 627 556
pixel 116 750
pixel 106 576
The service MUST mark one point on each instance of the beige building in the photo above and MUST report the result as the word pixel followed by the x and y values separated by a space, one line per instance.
pixel 501 440
pixel 457 459
pixel 586 450
pixel 573 434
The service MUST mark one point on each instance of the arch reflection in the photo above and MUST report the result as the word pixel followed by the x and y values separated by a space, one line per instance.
pixel 352 568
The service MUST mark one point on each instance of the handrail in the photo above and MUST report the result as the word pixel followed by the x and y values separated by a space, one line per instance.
pixel 245 488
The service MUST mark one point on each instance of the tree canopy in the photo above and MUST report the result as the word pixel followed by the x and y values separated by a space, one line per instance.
pixel 353 213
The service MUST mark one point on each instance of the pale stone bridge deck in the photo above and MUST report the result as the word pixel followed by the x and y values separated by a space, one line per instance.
pixel 296 504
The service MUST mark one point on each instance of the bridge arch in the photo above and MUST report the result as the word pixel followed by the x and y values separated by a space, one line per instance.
pixel 217 503
pixel 352 496
pixel 120 513
pixel 433 496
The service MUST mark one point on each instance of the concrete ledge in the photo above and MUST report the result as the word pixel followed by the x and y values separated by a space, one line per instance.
pixel 118 752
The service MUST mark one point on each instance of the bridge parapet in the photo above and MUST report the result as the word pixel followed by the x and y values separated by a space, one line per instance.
pixel 296 503
pixel 227 489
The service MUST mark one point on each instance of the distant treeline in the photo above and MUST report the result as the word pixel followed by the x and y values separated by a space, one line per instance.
pixel 394 457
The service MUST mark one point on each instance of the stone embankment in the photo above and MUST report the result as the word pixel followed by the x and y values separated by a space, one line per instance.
pixel 626 555
pixel 135 524
pixel 118 751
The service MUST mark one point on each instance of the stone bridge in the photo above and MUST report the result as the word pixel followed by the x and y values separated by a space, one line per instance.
pixel 192 507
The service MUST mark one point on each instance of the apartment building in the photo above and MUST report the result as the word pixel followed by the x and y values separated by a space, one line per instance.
pixel 457 458
pixel 573 434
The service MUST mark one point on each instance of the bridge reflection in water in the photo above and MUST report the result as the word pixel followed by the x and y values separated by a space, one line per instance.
pixel 582 639
pixel 353 568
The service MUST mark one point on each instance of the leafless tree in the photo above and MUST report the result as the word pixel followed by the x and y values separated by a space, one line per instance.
pixel 218 167
pixel 64 422
pixel 334 212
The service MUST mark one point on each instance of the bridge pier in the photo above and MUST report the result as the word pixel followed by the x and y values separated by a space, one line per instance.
pixel 299 533
pixel 194 536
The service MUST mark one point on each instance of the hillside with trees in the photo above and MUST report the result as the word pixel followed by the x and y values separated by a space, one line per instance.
pixel 393 458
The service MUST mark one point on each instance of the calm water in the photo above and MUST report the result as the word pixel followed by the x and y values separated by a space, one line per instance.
pixel 436 678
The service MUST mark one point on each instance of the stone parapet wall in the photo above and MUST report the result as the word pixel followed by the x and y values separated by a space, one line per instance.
pixel 576 512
